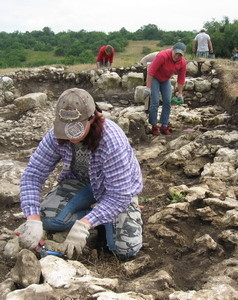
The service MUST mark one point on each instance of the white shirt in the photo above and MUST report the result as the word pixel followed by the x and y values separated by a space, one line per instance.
pixel 202 40
pixel 148 58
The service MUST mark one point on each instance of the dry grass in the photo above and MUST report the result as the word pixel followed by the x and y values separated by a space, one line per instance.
pixel 6 71
pixel 131 55
pixel 104 264
pixel 133 52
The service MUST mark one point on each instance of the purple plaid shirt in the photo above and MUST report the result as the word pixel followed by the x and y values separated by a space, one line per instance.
pixel 114 173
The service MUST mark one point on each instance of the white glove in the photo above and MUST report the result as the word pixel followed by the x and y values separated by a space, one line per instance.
pixel 147 92
pixel 31 235
pixel 76 239
pixel 180 97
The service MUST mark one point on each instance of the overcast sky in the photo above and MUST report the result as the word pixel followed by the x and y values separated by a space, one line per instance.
pixel 109 15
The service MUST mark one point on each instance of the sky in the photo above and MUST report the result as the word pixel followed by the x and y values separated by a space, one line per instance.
pixel 109 15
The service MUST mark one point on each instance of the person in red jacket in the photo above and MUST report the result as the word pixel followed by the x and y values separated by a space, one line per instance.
pixel 105 56
pixel 165 64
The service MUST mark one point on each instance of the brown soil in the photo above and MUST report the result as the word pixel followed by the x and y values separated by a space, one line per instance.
pixel 187 268
pixel 168 254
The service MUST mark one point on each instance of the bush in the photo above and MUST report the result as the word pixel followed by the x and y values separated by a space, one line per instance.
pixel 10 58
pixel 60 51
pixel 69 60
pixel 146 50
pixel 87 57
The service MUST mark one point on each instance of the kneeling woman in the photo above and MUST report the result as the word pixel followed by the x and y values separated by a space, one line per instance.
pixel 98 184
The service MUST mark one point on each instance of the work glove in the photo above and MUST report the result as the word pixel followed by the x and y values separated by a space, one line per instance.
pixel 147 92
pixel 31 235
pixel 76 239
pixel 180 98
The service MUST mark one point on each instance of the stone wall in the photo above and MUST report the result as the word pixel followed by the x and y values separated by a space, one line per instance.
pixel 116 85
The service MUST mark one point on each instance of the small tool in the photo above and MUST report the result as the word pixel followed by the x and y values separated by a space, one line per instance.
pixel 43 251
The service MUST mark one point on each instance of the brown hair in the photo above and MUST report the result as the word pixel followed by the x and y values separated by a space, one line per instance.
pixel 109 49
pixel 95 133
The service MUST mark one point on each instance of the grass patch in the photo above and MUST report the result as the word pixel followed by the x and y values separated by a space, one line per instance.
pixel 39 58
pixel 33 56
pixel 132 54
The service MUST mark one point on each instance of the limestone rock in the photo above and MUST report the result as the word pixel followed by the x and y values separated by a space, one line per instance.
pixel 27 269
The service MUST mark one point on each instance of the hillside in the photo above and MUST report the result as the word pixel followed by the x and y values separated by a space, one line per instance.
pixel 131 55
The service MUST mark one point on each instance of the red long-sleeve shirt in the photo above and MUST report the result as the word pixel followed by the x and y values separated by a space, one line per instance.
pixel 163 67
pixel 103 57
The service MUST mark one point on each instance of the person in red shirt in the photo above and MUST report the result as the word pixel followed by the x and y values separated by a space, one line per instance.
pixel 165 64
pixel 105 56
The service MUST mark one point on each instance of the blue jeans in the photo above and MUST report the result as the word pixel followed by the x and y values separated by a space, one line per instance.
pixel 104 64
pixel 165 89
pixel 77 208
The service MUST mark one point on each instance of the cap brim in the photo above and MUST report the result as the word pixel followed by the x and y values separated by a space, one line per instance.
pixel 69 131
pixel 179 51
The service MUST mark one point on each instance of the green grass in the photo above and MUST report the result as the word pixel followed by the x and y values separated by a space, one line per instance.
pixel 33 56
pixel 37 57
pixel 131 55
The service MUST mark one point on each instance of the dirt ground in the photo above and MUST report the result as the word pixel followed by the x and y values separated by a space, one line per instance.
pixel 186 268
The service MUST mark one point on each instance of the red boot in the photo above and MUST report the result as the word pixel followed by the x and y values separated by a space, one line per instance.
pixel 155 130
pixel 165 130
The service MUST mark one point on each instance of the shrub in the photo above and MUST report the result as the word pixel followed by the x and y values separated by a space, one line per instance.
pixel 176 197
pixel 146 50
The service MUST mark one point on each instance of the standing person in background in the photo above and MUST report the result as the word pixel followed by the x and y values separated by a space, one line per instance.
pixel 202 44
pixel 105 56
pixel 99 182
pixel 162 68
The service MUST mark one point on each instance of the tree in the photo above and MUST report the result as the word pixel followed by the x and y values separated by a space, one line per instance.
pixel 224 36
pixel 76 48
pixel 82 46
pixel 12 58
pixel 151 32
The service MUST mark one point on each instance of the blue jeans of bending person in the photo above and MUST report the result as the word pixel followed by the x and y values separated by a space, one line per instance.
pixel 76 208
pixel 165 89
pixel 124 236
pixel 104 64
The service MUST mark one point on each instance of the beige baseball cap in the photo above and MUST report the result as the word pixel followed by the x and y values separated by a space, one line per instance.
pixel 74 108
